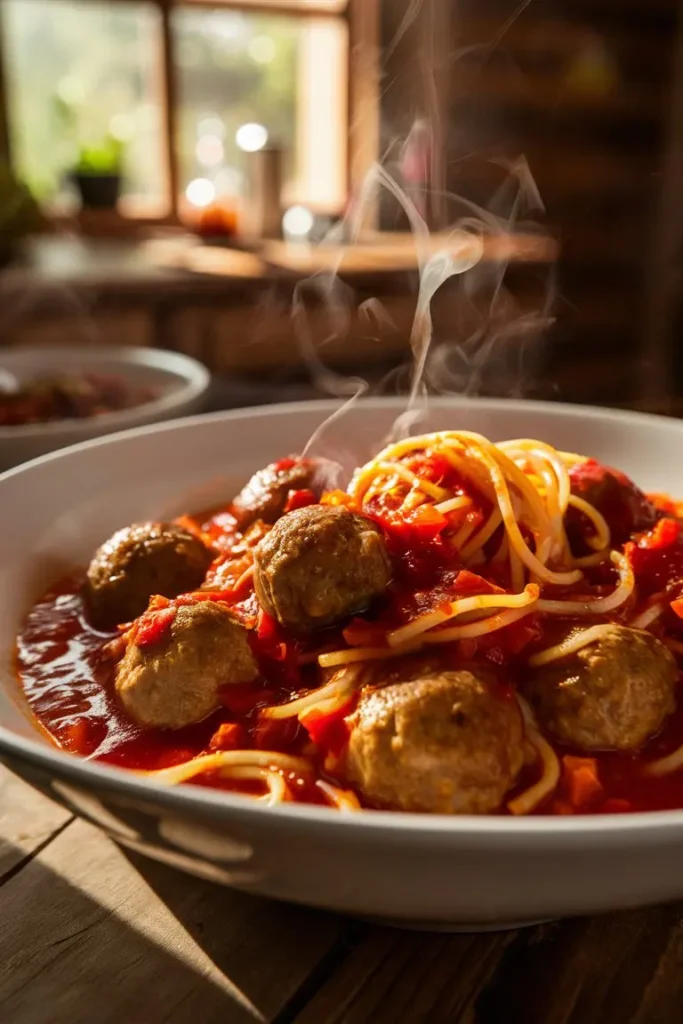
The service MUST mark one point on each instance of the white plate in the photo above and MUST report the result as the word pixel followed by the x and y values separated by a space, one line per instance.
pixel 429 870
pixel 181 384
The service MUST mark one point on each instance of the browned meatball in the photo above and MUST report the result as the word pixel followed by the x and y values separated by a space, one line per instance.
pixel 611 695
pixel 266 494
pixel 319 565
pixel 449 743
pixel 138 562
pixel 624 506
pixel 175 682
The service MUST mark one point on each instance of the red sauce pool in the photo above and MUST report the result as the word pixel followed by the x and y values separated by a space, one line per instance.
pixel 68 680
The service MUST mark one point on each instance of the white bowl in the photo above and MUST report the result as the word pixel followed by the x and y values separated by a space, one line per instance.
pixel 181 384
pixel 436 871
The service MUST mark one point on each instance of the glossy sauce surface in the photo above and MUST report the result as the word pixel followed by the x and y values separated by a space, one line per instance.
pixel 69 682
pixel 67 670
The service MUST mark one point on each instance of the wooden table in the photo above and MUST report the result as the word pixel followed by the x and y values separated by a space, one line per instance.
pixel 92 933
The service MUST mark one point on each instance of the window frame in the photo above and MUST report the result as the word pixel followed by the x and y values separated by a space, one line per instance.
pixel 361 98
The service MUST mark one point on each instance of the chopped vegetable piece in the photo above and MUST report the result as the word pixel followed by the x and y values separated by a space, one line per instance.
pixel 328 729
pixel 580 781
pixel 300 499
pixel 154 627
pixel 228 736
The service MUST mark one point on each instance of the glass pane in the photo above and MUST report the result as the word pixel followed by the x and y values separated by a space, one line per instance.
pixel 78 74
pixel 245 81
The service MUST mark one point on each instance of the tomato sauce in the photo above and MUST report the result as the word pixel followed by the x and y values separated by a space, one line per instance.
pixel 68 679
pixel 67 669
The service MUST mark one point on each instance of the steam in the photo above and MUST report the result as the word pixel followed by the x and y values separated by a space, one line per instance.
pixel 470 261
pixel 469 334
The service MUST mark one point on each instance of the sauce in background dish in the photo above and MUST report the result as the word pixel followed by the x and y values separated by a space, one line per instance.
pixel 78 396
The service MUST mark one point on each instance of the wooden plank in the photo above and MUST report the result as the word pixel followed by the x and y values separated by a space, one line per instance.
pixel 620 967
pixel 92 933
pixel 408 976
pixel 588 971
pixel 27 821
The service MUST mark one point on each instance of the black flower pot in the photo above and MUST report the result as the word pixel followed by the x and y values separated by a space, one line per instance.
pixel 98 191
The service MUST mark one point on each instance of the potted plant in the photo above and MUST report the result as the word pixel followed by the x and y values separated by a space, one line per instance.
pixel 19 213
pixel 98 173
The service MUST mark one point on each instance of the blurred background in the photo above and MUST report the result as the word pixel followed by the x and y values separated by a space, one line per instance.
pixel 175 173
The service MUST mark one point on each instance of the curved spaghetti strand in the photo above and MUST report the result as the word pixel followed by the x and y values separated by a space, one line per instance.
pixel 575 642
pixel 230 759
pixel 534 796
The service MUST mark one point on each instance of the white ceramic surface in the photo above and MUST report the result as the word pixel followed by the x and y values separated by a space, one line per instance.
pixel 180 381
pixel 431 870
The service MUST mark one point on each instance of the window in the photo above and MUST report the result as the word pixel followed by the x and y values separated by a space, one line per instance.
pixel 185 88
pixel 77 73
pixel 245 79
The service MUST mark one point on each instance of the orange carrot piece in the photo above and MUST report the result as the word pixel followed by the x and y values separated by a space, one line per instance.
pixel 581 782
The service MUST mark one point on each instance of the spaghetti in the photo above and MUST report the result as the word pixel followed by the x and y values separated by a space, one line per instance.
pixel 528 486
pixel 391 665
pixel 545 786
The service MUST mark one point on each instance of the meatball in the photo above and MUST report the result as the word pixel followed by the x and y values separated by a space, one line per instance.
pixel 175 682
pixel 611 695
pixel 265 496
pixel 318 565
pixel 139 561
pixel 625 507
pixel 448 743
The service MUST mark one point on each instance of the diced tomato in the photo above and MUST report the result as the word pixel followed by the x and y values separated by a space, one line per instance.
pixel 267 628
pixel 432 467
pixel 228 736
pixel 580 781
pixel 300 499
pixel 657 568
pixel 328 730
pixel 270 641
pixel 154 627
pixel 677 607
pixel 419 526
pixel 282 465
pixel 337 498
pixel 469 584
pixel 665 534
pixel 427 518
pixel 192 526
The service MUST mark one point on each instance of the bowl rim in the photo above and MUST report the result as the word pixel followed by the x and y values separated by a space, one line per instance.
pixel 194 375
pixel 607 831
